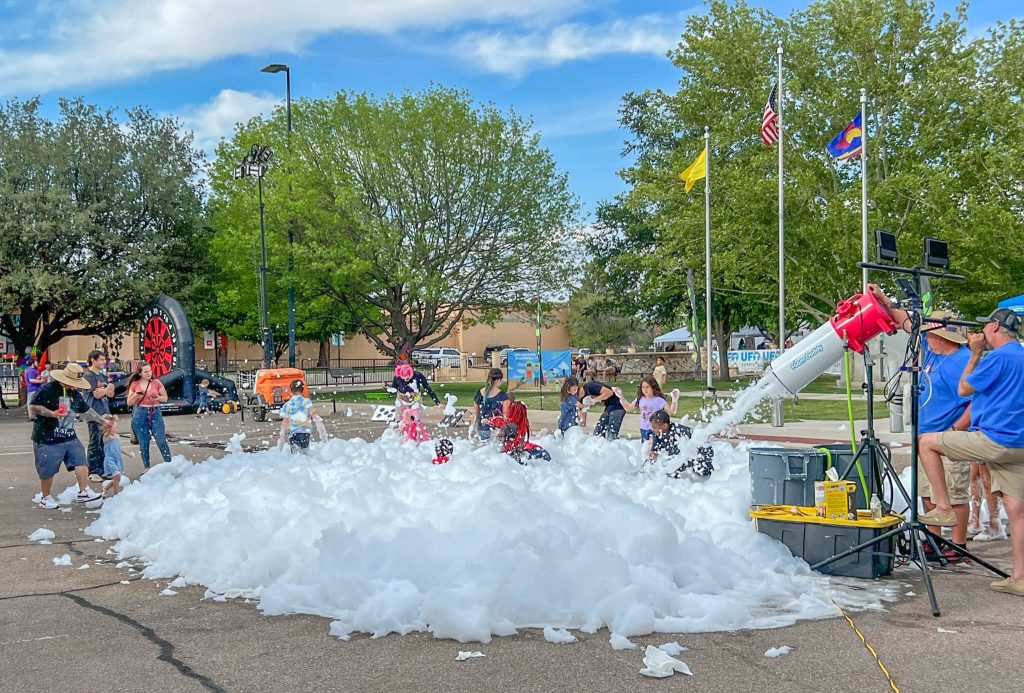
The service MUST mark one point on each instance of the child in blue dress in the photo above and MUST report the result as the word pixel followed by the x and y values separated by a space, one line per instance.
pixel 571 413
pixel 113 462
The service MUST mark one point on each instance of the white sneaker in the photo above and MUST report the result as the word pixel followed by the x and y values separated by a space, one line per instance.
pixel 47 503
pixel 86 495
pixel 992 534
pixel 973 524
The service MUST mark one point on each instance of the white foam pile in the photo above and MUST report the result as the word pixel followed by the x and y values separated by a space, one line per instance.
pixel 375 537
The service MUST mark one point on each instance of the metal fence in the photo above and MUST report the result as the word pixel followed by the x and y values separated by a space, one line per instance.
pixel 340 372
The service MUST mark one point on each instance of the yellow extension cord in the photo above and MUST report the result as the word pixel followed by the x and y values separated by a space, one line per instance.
pixel 878 661
pixel 794 510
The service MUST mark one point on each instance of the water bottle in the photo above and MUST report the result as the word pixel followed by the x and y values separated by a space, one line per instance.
pixel 876 507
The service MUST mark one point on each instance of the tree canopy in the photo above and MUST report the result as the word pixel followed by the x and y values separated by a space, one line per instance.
pixel 409 210
pixel 97 216
pixel 944 157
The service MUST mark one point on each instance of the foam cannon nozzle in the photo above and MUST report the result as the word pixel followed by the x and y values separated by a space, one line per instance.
pixel 858 319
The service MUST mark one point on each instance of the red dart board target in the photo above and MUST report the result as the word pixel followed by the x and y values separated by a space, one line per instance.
pixel 159 341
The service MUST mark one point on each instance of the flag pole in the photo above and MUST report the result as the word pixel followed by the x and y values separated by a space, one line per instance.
pixel 782 231
pixel 707 248
pixel 864 186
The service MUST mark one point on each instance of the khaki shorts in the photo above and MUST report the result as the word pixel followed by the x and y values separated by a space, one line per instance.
pixel 958 481
pixel 1006 465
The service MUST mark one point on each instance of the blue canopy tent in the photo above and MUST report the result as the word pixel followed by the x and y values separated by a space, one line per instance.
pixel 1016 304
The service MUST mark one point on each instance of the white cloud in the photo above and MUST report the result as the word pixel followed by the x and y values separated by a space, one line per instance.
pixel 586 117
pixel 517 54
pixel 216 118
pixel 106 41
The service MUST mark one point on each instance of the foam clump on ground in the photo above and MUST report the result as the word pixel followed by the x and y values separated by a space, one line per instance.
pixel 375 537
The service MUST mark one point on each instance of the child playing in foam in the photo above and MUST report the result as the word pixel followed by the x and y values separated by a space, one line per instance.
pixel 297 419
pixel 649 399
pixel 515 429
pixel 409 386
pixel 666 442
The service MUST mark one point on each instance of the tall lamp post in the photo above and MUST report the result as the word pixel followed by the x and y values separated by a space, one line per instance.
pixel 255 164
pixel 274 68
pixel 540 357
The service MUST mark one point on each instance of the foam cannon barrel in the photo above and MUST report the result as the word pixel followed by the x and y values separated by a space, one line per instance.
pixel 857 320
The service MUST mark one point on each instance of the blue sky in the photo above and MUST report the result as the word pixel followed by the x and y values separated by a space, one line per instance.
pixel 565 63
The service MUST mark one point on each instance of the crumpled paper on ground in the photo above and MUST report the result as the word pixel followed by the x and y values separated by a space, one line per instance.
pixel 463 656
pixel 661 664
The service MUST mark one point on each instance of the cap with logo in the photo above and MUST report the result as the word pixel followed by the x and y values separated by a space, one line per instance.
pixel 1006 318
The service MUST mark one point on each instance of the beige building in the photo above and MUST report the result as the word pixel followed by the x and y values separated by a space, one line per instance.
pixel 470 337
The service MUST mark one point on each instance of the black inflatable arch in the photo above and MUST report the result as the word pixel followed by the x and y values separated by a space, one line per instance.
pixel 168 344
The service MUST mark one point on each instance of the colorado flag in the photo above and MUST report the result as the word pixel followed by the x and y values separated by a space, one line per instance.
pixel 847 144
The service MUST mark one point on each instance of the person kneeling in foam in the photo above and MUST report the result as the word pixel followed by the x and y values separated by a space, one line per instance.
pixel 666 442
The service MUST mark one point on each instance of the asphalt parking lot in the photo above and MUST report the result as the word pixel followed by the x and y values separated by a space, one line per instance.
pixel 104 629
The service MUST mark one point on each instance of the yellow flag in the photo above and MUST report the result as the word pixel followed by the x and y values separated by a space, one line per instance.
pixel 695 171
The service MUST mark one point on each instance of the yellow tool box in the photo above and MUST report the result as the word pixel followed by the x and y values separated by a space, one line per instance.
pixel 815 538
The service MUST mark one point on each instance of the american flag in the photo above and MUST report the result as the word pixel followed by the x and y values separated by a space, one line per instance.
pixel 770 120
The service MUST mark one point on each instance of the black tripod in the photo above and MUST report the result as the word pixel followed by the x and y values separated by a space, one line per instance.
pixel 918 532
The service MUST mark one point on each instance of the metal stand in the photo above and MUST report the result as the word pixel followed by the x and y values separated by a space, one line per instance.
pixel 872 447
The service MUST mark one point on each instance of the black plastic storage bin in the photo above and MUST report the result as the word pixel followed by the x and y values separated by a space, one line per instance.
pixel 785 476
pixel 814 539
pixel 842 455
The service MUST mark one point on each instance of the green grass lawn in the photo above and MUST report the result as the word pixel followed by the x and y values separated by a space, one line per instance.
pixel 548 400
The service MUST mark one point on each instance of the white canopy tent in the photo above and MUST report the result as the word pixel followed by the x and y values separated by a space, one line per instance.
pixel 680 335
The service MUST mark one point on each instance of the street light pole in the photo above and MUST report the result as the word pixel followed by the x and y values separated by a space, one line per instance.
pixel 540 356
pixel 255 164
pixel 268 335
pixel 273 69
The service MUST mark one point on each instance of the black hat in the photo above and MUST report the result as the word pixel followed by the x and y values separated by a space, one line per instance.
pixel 297 385
pixel 1006 318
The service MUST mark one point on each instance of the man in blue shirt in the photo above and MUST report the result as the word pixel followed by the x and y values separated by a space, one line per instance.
pixel 944 356
pixel 996 437
pixel 943 408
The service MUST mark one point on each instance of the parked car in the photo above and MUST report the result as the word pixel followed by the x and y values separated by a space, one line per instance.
pixel 440 356
pixel 491 348
pixel 506 352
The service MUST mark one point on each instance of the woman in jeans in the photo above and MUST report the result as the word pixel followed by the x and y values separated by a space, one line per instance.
pixel 145 393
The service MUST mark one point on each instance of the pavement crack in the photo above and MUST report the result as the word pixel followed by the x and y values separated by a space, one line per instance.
pixel 166 647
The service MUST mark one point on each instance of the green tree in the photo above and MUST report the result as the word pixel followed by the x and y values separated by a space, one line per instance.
pixel 413 209
pixel 596 322
pixel 944 159
pixel 97 216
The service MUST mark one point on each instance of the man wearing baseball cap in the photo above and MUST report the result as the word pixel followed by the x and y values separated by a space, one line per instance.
pixel 996 435
pixel 54 441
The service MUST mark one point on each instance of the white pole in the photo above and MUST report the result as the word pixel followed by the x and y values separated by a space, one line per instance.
pixel 782 231
pixel 707 247
pixel 864 185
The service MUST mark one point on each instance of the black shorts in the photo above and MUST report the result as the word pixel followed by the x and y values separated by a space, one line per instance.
pixel 299 440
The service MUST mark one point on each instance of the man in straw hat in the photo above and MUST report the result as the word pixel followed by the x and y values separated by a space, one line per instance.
pixel 53 434
pixel 944 355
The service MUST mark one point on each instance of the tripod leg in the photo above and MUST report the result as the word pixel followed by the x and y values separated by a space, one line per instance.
pixel 966 554
pixel 854 549
pixel 929 540
pixel 923 563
